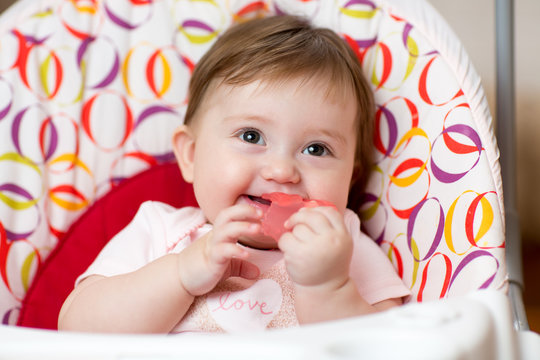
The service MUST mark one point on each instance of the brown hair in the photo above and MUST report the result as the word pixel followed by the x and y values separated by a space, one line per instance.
pixel 285 47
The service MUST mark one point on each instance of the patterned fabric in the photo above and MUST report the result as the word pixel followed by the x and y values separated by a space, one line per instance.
pixel 90 91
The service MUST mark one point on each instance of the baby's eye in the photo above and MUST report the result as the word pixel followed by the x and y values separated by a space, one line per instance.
pixel 252 136
pixel 316 150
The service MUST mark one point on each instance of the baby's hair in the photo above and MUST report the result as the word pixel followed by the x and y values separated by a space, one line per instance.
pixel 282 48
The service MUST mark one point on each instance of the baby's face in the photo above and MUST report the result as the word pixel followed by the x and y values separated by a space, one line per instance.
pixel 259 138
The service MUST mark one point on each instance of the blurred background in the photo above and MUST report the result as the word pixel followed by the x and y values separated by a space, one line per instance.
pixel 474 24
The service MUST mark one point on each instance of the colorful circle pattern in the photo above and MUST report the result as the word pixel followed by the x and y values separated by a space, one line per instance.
pixel 80 81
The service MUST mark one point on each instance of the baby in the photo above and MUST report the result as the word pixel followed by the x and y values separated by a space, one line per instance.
pixel 276 107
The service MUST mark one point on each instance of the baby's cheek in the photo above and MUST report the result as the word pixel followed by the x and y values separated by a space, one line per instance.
pixel 336 192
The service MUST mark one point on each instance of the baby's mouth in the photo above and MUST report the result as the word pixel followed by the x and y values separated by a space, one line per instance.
pixel 260 200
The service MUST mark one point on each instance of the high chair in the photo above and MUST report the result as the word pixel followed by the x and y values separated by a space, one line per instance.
pixel 92 90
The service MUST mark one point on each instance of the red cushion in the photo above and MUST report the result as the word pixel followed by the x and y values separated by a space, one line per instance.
pixel 87 236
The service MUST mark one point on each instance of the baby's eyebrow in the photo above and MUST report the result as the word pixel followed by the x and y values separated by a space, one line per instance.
pixel 251 117
pixel 331 134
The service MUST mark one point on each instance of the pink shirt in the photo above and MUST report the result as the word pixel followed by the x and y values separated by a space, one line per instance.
pixel 236 304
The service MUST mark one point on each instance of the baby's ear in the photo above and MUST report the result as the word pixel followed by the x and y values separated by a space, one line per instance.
pixel 184 151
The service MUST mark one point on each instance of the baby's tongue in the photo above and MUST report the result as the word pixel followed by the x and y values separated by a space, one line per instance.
pixel 281 208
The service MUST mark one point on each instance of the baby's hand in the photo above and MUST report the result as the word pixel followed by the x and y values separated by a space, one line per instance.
pixel 318 248
pixel 216 255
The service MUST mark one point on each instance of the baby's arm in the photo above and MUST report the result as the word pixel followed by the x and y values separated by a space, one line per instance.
pixel 156 297
pixel 149 300
pixel 318 252
pixel 315 304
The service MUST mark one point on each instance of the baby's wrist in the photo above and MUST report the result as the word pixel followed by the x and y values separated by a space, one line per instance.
pixel 329 302
pixel 329 287
pixel 181 274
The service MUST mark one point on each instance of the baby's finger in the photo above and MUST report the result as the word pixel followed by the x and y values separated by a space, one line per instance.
pixel 317 221
pixel 224 252
pixel 288 243
pixel 230 232
pixel 332 215
pixel 303 233
pixel 243 269
pixel 242 212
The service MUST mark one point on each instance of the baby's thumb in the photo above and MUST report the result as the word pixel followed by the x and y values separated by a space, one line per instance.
pixel 244 269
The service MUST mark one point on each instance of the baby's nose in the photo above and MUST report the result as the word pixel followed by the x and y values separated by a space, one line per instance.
pixel 280 169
